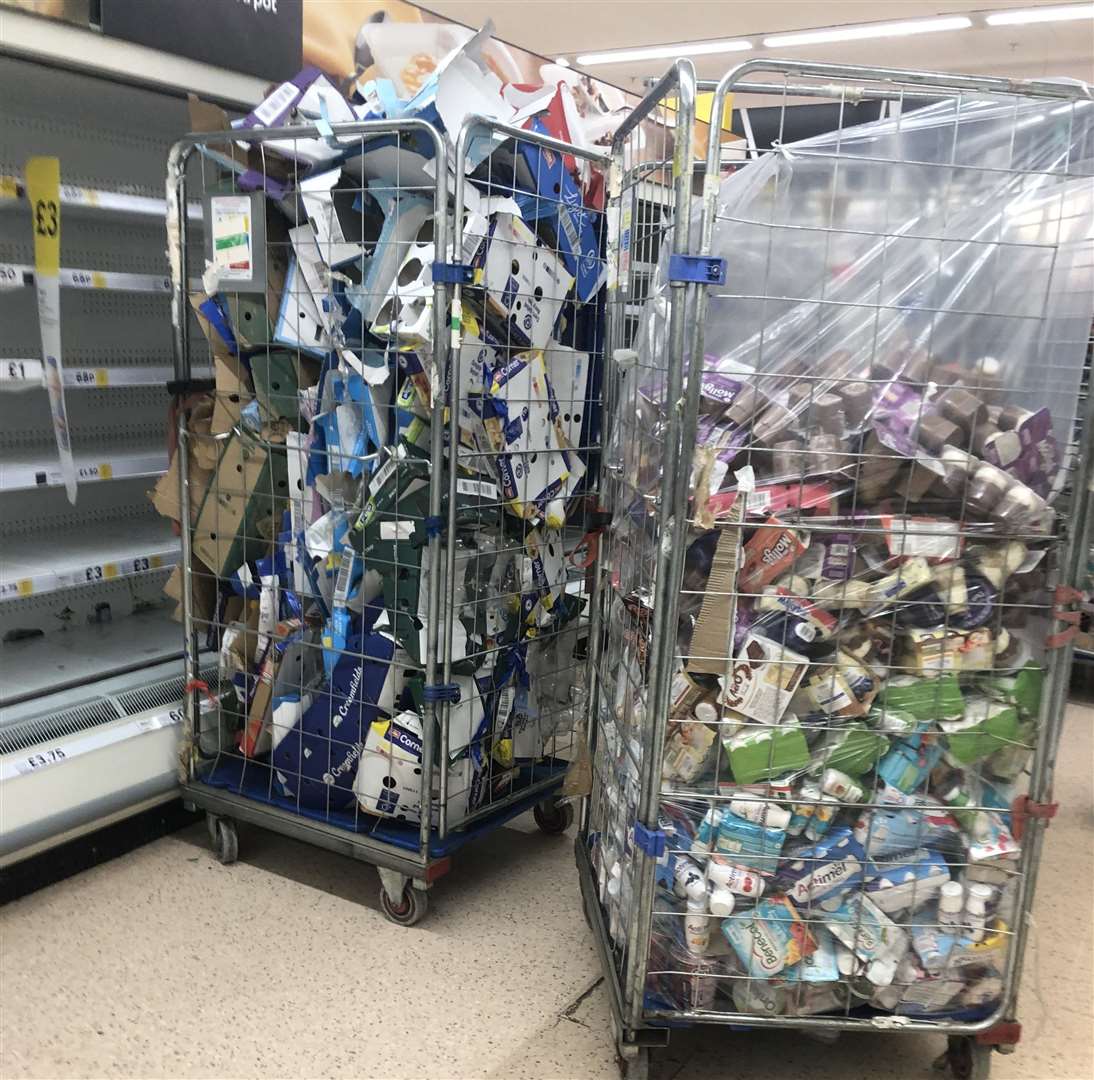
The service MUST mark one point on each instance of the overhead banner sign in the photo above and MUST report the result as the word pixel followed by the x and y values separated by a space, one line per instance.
pixel 255 37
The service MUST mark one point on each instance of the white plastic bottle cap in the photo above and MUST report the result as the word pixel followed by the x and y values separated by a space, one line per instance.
pixel 706 712
pixel 721 902
pixel 980 897
pixel 719 872
pixel 951 898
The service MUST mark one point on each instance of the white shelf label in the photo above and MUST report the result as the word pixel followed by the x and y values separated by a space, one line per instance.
pixel 16 276
pixel 95 739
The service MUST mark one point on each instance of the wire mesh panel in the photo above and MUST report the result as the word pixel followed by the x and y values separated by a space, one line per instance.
pixel 386 505
pixel 650 189
pixel 865 642
pixel 525 421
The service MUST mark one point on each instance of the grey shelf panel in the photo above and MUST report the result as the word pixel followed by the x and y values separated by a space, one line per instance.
pixel 87 652
pixel 35 563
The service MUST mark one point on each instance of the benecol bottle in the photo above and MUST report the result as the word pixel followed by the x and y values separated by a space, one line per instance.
pixel 689 879
pixel 734 878
pixel 697 926
pixel 977 909
pixel 762 813
pixel 951 906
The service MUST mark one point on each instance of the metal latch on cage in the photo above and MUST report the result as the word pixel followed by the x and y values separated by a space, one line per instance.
pixel 1023 808
pixel 1063 610
pixel 651 841
pixel 702 269
pixel 452 273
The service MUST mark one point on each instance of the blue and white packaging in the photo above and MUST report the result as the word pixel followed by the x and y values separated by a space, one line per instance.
pixel 869 933
pixel 316 758
pixel 820 966
pixel 908 881
pixel 387 782
pixel 909 761
pixel 769 938
pixel 931 943
pixel 535 468
pixel 749 845
pixel 825 870
pixel 525 283
pixel 885 832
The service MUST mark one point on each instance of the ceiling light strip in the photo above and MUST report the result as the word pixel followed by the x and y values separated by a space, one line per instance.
pixel 865 31
pixel 1024 16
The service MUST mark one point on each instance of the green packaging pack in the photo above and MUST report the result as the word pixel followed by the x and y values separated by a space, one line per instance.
pixel 925 699
pixel 766 753
pixel 1022 689
pixel 854 749
pixel 985 727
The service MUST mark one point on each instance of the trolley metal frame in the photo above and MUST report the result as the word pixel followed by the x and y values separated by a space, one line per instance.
pixel 625 965
pixel 405 872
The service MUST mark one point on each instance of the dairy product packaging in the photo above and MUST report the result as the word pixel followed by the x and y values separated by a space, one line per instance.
pixel 873 517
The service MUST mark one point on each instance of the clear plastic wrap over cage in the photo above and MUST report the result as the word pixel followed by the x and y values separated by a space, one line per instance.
pixel 880 444
pixel 957 235
pixel 754 914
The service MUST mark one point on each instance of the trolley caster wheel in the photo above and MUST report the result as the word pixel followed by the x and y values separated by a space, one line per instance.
pixel 967 1059
pixel 553 817
pixel 411 907
pixel 224 838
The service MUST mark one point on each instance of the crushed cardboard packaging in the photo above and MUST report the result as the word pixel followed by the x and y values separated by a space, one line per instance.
pixel 311 478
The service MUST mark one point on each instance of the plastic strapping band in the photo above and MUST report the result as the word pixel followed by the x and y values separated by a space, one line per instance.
pixel 452 273
pixel 651 841
pixel 704 269
pixel 434 525
pixel 442 692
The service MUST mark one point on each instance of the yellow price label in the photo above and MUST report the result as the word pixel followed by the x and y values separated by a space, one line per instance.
pixel 110 570
pixel 9 187
pixel 105 471
pixel 98 280
pixel 102 377
pixel 44 192
pixel 26 587
pixel 156 562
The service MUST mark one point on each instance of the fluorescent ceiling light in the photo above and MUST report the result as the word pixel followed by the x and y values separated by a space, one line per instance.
pixel 1041 14
pixel 867 30
pixel 562 61
pixel 659 52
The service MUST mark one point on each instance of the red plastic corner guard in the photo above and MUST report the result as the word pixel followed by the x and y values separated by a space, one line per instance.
pixel 1023 808
pixel 437 869
pixel 1008 1033
pixel 1062 611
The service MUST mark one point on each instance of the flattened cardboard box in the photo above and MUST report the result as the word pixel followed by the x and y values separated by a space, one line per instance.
pixel 239 514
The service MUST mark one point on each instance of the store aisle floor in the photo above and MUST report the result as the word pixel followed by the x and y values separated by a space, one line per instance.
pixel 165 964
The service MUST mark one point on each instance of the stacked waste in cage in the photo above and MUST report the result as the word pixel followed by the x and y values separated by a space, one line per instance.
pixel 315 516
pixel 881 576
pixel 876 513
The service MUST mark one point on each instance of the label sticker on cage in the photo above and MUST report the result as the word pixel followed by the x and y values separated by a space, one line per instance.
pixel 233 241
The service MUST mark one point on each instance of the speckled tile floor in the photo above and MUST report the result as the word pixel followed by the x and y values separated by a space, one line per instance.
pixel 165 964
